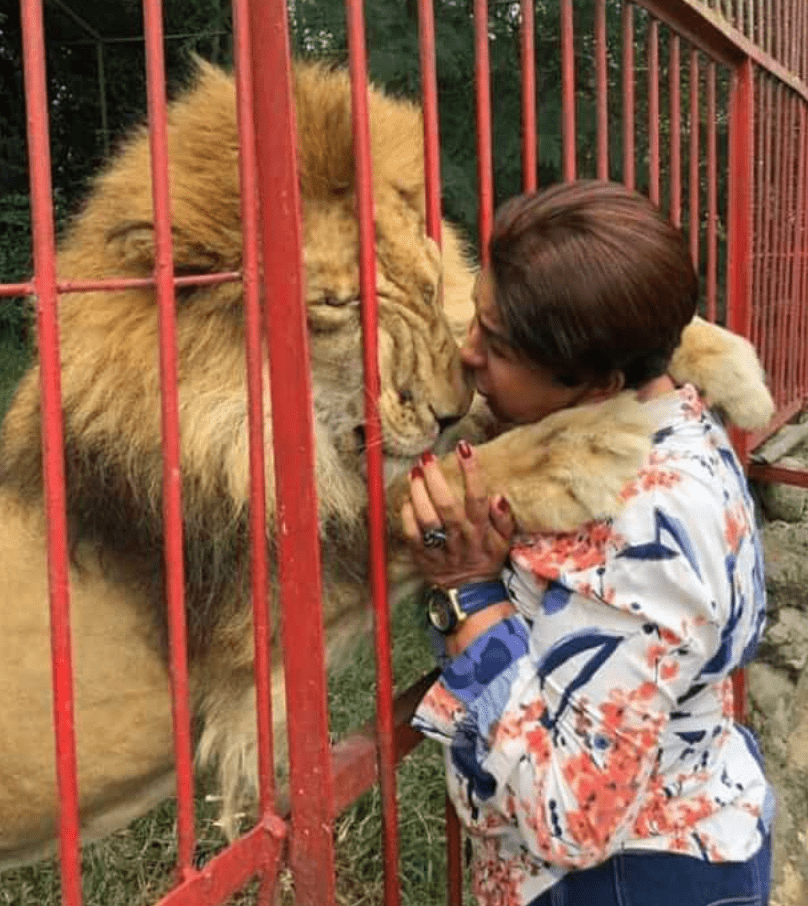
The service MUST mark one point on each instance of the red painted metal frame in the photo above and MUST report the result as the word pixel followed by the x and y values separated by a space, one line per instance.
pixel 44 285
pixel 653 111
pixel 311 847
pixel 694 231
pixel 172 478
pixel 627 14
pixel 712 196
pixel 767 302
pixel 482 85
pixel 377 518
pixel 739 214
pixel 528 60
pixel 429 102
pixel 251 286
pixel 567 90
pixel 674 91
pixel 601 90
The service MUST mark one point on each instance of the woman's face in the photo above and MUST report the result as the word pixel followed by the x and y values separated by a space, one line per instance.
pixel 517 391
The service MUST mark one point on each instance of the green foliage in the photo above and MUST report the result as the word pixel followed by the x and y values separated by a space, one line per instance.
pixel 15 264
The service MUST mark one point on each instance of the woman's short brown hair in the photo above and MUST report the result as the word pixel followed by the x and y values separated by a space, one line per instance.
pixel 589 278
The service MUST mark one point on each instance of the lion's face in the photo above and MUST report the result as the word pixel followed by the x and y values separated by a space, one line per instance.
pixel 423 387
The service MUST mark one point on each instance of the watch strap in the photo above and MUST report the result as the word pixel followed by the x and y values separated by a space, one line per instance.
pixel 474 596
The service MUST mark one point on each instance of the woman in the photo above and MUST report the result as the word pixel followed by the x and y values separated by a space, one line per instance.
pixel 585 703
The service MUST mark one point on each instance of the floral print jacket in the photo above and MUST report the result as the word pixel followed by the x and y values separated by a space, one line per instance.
pixel 600 717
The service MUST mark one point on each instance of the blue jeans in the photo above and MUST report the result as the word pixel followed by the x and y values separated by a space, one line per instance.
pixel 665 879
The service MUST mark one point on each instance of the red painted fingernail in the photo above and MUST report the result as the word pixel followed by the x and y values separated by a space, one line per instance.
pixel 416 472
pixel 427 457
pixel 503 506
pixel 463 449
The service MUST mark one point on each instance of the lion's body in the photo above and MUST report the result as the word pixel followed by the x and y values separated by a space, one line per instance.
pixel 110 388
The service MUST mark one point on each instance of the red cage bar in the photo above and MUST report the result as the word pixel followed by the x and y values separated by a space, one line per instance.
pixel 172 486
pixel 763 292
pixel 653 112
pixel 527 34
pixel 377 517
pixel 482 85
pixel 44 286
pixel 674 90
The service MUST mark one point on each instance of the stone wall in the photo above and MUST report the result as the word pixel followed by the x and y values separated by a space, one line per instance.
pixel 778 681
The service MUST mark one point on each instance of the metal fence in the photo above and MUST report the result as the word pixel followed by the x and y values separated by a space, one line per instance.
pixel 721 89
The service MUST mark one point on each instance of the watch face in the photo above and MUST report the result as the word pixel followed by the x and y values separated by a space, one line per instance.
pixel 439 610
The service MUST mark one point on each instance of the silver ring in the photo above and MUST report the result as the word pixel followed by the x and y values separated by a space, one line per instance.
pixel 434 537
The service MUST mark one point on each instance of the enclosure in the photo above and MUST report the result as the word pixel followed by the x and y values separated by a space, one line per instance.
pixel 703 106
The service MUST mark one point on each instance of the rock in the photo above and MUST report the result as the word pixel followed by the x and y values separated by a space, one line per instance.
pixel 778 693
pixel 789 635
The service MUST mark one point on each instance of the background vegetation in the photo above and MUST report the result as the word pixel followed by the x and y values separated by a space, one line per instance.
pixel 96 86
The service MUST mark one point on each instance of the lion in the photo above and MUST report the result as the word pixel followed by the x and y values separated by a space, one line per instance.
pixel 557 473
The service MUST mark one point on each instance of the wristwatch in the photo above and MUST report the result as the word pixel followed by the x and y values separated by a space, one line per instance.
pixel 446 608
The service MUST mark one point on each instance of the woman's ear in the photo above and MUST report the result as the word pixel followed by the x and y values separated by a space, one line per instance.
pixel 614 382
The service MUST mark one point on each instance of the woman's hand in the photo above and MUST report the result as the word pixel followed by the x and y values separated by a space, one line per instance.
pixel 478 528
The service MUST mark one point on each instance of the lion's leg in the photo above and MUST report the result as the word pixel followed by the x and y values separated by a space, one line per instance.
pixel 122 702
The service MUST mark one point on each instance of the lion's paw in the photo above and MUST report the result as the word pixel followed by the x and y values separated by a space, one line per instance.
pixel 726 369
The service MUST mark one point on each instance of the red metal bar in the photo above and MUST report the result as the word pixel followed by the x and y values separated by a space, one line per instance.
pixel 712 196
pixel 113 283
pixel 172 478
pixel 454 865
pixel 719 39
pixel 757 270
pixel 310 785
pixel 44 252
pixel 779 475
pixel 739 695
pixel 248 181
pixel 601 90
pixel 674 91
pixel 803 331
pixel 653 111
pixel 20 289
pixel 739 215
pixel 529 132
pixel 774 245
pixel 429 100
pixel 355 765
pixel 779 31
pixel 627 16
pixel 482 85
pixel 226 873
pixel 767 201
pixel 377 512
pixel 781 292
pixel 792 195
pixel 782 416
pixel 568 89
pixel 693 179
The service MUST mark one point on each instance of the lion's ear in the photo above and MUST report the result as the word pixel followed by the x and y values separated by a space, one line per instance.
pixel 132 244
